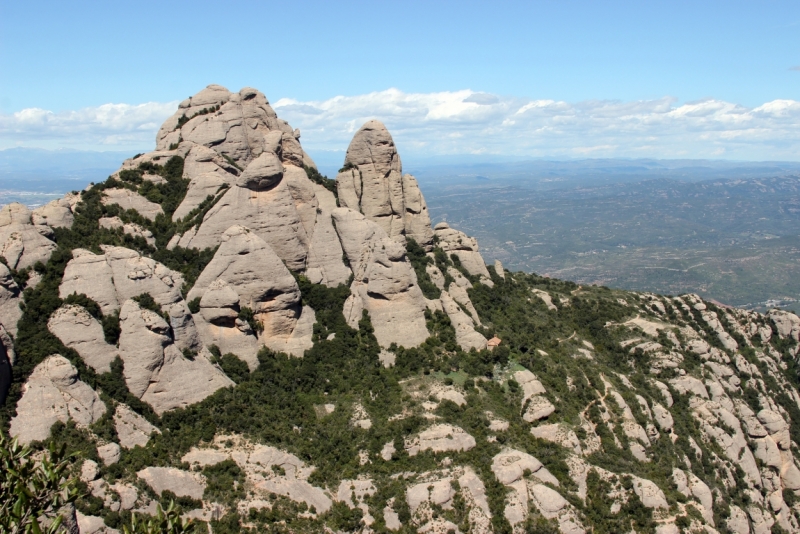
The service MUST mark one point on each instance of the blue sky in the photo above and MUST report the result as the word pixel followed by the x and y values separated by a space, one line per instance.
pixel 586 64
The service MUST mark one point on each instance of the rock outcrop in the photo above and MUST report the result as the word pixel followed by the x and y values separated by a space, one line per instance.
pixel 131 200
pixel 78 330
pixel 53 393
pixel 10 293
pixel 118 275
pixel 131 229
pixel 440 438
pixel 711 387
pixel 249 267
pixel 235 140
pixel 466 336
pixel 268 470
pixel 466 248
pixel 384 282
pixel 372 182
pixel 132 429
pixel 325 265
pixel 57 213
pixel 156 370
pixel 181 483
pixel 270 213
pixel 23 243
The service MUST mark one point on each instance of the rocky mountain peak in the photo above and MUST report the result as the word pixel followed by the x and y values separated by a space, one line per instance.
pixel 372 182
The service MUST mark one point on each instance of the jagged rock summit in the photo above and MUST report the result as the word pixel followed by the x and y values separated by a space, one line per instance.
pixel 218 323
pixel 372 182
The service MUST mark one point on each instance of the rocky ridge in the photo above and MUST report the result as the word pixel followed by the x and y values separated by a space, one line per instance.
pixel 220 324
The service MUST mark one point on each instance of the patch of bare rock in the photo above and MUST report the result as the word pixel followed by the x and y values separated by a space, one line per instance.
pixel 53 393
pixel 268 470
pixel 440 438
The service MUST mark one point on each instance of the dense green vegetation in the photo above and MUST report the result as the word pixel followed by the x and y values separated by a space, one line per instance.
pixel 315 176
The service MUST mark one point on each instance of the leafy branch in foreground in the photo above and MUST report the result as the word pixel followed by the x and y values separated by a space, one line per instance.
pixel 34 492
pixel 165 521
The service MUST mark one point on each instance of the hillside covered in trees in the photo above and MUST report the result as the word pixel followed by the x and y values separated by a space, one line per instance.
pixel 220 329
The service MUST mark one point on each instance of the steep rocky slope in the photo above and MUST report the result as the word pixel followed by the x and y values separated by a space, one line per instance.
pixel 220 325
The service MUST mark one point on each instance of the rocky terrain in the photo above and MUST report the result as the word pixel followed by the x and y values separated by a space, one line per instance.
pixel 219 325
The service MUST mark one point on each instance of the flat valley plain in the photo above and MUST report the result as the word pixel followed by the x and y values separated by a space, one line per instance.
pixel 727 231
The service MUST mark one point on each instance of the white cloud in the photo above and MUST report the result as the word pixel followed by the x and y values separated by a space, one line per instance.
pixel 466 122
pixel 106 126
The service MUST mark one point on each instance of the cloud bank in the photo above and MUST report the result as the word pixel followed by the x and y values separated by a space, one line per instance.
pixel 460 122
pixel 466 122
pixel 106 127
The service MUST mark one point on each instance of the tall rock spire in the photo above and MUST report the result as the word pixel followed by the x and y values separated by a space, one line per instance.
pixel 372 182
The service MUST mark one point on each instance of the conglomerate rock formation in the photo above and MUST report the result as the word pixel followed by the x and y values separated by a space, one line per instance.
pixel 220 325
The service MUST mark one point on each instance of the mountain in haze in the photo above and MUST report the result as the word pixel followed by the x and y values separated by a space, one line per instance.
pixel 221 326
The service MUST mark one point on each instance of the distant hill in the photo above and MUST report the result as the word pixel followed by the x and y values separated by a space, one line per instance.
pixel 726 231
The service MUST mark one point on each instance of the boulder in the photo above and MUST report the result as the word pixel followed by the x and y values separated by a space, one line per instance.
pixel 458 290
pixel 78 330
pixel 786 323
pixel 299 341
pixel 156 370
pixel 437 492
pixel 262 174
pixel 90 524
pixel 510 465
pixel 530 384
pixel 689 384
pixel 90 274
pixel 53 393
pixel 247 264
pixel 548 501
pixel 356 235
pixel 132 428
pixel 109 453
pixel 466 336
pixel 737 522
pixel 466 248
pixel 538 407
pixel 440 438
pixel 10 295
pixel 23 243
pixel 128 274
pixel 57 213
pixel 560 434
pixel 663 417
pixel 181 483
pixel 131 200
pixel 372 183
pixel 649 493
pixel 498 268
pixel 218 323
